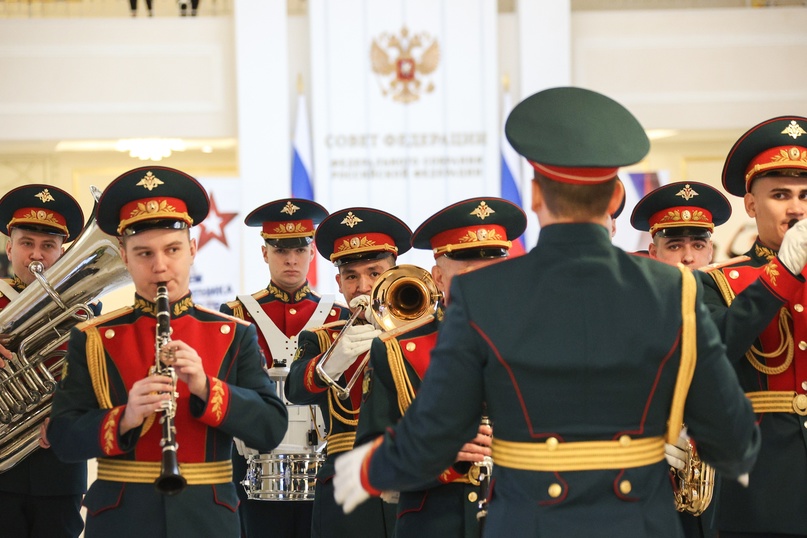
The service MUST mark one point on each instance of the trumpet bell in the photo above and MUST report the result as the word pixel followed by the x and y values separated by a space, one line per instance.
pixel 403 294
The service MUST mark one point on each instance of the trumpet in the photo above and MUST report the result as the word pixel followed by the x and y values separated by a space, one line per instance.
pixel 170 481
pixel 694 484
pixel 403 298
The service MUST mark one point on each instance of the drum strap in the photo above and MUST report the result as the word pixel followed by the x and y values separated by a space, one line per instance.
pixel 281 346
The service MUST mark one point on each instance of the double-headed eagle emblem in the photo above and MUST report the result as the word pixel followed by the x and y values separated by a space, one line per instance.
pixel 401 62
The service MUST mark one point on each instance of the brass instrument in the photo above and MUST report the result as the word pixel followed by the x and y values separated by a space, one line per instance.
pixel 403 297
pixel 170 481
pixel 37 323
pixel 694 484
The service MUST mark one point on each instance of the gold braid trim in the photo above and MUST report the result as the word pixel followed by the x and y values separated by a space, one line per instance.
pixel 340 442
pixel 324 339
pixel 786 345
pixel 785 335
pixel 689 353
pixel 397 366
pixel 238 310
pixel 96 364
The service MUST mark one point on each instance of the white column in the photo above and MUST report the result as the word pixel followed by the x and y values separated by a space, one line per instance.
pixel 545 48
pixel 261 49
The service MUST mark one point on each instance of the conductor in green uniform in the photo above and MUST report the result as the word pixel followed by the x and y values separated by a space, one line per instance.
pixel 559 355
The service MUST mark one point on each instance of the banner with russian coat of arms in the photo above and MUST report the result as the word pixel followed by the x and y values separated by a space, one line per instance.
pixel 404 106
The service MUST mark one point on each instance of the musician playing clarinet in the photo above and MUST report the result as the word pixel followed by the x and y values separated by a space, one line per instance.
pixel 108 407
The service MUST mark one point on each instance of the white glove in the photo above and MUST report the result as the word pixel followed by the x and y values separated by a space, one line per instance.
pixel 355 341
pixel 390 497
pixel 347 488
pixel 793 252
pixel 677 454
pixel 363 301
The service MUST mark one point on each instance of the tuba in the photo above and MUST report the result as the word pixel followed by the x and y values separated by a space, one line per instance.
pixel 403 298
pixel 37 323
pixel 694 484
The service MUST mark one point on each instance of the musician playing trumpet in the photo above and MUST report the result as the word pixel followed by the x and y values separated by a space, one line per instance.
pixel 39 496
pixel 362 243
pixel 106 406
pixel 464 236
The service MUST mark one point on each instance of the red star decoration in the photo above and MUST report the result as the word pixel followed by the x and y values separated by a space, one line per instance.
pixel 213 226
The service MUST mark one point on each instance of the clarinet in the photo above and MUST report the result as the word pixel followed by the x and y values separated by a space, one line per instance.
pixel 170 481
pixel 485 470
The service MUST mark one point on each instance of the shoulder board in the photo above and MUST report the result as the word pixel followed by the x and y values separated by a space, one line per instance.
pixel 126 310
pixel 233 304
pixel 221 315
pixel 331 325
pixel 260 294
pixel 720 265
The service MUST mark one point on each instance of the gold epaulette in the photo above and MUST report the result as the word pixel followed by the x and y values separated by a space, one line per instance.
pixel 104 318
pixel 222 314
pixel 720 265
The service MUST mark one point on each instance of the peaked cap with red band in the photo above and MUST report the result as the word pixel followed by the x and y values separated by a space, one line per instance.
pixel 41 208
pixel 151 197
pixel 778 144
pixel 287 223
pixel 574 135
pixel 361 233
pixel 473 228
pixel 681 209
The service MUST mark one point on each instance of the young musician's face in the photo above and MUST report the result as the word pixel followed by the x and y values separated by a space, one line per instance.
pixel 288 267
pixel 774 201
pixel 357 278
pixel 158 255
pixel 691 252
pixel 25 246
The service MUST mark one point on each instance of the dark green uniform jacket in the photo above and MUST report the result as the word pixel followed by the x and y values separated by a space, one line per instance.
pixel 447 506
pixel 576 341
pixel 118 350
pixel 766 316
pixel 373 519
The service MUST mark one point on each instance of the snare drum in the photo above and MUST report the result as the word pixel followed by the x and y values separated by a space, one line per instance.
pixel 282 477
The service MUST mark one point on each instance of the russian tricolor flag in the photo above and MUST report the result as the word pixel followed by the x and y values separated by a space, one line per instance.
pixel 511 177
pixel 301 167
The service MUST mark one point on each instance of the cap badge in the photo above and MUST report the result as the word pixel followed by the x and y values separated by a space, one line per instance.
pixel 45 196
pixel 291 227
pixel 355 243
pixel 481 234
pixel 482 211
pixel 152 206
pixel 41 215
pixel 351 220
pixel 687 193
pixel 150 181
pixel 794 130
pixel 289 208
pixel 685 215
pixel 791 154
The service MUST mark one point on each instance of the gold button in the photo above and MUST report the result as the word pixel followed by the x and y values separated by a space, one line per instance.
pixel 798 308
pixel 625 487
pixel 804 385
pixel 800 404
pixel 554 491
pixel 109 333
pixel 624 440
pixel 410 346
pixel 803 345
pixel 734 273
pixel 333 312
pixel 292 311
pixel 472 496
pixel 551 443
pixel 334 335
pixel 225 329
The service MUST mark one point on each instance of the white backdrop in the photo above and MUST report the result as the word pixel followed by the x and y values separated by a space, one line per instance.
pixel 407 148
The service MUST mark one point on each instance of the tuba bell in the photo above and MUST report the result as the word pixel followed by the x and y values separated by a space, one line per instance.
pixel 37 323
pixel 403 298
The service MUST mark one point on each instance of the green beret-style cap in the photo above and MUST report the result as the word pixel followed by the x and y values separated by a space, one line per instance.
pixel 574 135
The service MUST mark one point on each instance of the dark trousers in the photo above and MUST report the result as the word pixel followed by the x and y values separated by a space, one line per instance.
pixel 23 516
